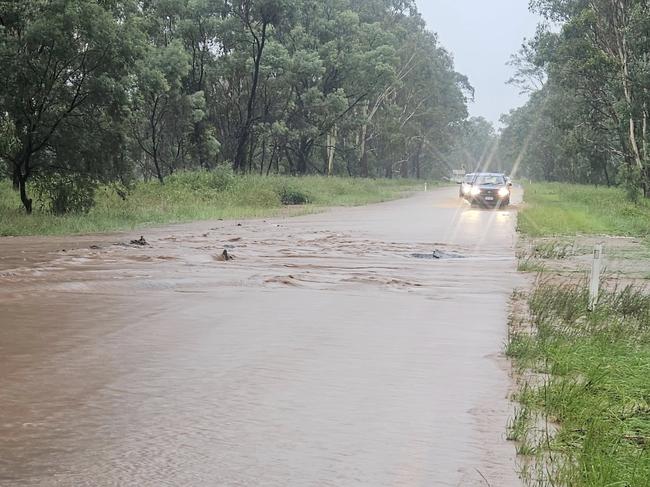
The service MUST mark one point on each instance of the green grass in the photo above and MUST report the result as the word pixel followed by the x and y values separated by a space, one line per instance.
pixel 586 374
pixel 197 196
pixel 597 385
pixel 556 209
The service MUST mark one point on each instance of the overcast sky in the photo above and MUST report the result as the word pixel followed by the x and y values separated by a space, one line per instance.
pixel 481 35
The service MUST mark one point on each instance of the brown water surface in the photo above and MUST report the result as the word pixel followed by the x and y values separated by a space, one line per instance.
pixel 324 354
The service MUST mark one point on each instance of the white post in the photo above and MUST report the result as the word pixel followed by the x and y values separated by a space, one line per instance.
pixel 425 187
pixel 594 284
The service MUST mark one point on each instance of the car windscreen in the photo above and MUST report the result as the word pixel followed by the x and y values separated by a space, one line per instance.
pixel 494 180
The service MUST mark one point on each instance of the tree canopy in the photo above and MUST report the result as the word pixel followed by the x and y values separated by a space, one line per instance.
pixel 112 90
pixel 587 118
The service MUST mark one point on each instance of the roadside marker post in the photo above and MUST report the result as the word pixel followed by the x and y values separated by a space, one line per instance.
pixel 594 284
pixel 425 187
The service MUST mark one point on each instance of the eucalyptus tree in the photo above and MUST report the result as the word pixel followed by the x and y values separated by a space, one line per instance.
pixel 64 63
pixel 596 91
pixel 257 18
pixel 110 90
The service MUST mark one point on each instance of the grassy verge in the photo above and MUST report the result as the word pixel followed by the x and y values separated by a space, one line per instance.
pixel 564 209
pixel 197 196
pixel 583 414
pixel 593 386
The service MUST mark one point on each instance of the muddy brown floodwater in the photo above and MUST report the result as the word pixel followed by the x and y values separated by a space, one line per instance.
pixel 324 354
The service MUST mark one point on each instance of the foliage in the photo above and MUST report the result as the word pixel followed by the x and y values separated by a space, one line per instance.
pixel 595 389
pixel 65 193
pixel 474 147
pixel 293 196
pixel 629 177
pixel 132 90
pixel 64 65
pixel 587 118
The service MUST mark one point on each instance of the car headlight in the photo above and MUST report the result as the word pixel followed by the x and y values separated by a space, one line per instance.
pixel 503 192
pixel 474 191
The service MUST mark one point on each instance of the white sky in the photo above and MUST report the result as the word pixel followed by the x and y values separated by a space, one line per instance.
pixel 481 35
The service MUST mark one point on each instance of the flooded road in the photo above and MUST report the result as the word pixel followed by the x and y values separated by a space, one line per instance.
pixel 327 353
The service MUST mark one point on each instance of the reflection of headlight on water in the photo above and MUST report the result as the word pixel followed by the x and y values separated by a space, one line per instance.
pixel 475 191
pixel 503 192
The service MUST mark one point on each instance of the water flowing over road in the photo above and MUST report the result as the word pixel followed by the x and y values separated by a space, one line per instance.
pixel 329 352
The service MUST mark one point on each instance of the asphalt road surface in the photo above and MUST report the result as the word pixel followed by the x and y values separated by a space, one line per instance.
pixel 357 347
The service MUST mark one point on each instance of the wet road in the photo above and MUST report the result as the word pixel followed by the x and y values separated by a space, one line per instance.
pixel 325 354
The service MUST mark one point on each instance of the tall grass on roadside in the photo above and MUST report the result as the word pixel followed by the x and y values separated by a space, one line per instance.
pixel 197 195
pixel 533 258
pixel 595 385
pixel 554 209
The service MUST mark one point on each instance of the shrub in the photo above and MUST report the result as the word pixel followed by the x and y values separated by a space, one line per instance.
pixel 293 196
pixel 630 177
pixel 219 179
pixel 61 193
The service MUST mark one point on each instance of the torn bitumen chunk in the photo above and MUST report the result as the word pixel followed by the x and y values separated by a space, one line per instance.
pixel 437 254
pixel 224 256
pixel 141 242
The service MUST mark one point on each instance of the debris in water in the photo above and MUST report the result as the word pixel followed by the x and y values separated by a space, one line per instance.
pixel 141 242
pixel 224 256
pixel 95 247
pixel 437 254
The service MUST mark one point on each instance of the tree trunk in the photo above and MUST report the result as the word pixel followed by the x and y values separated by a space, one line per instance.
pixel 289 160
pixel 363 156
pixel 627 89
pixel 644 134
pixel 404 169
pixel 302 163
pixel 331 148
pixel 644 129
pixel 200 144
pixel 263 161
pixel 388 171
pixel 154 145
pixel 244 133
pixel 418 155
pixel 22 172
pixel 251 154
pixel 156 164
pixel 304 152
pixel 273 152
pixel 27 202
pixel 15 178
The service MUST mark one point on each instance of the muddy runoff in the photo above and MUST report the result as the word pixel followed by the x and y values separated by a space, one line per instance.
pixel 320 352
